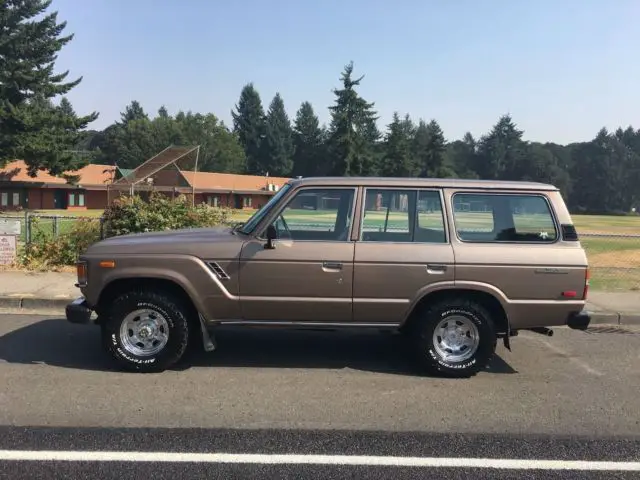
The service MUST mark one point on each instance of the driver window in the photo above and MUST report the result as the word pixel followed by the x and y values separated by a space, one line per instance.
pixel 317 214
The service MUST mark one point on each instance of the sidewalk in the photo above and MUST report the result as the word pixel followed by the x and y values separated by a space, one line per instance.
pixel 51 291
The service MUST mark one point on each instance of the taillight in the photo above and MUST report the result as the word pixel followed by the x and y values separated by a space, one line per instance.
pixel 587 275
pixel 81 272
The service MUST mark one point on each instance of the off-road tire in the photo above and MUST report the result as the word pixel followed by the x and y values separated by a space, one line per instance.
pixel 422 330
pixel 164 304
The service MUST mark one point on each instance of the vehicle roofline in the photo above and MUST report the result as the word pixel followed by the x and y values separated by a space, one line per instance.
pixel 454 183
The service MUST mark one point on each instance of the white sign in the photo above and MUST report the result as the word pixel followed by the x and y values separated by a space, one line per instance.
pixel 10 227
pixel 7 249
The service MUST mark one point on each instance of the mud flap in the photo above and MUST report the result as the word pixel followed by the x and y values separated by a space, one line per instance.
pixel 505 340
pixel 208 340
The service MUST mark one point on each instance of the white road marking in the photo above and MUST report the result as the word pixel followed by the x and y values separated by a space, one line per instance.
pixel 312 459
pixel 568 356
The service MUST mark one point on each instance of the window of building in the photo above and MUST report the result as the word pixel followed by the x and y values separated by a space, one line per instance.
pixel 503 218
pixel 213 200
pixel 16 199
pixel 318 214
pixel 81 199
pixel 72 199
pixel 403 216
pixel 246 202
pixel 4 199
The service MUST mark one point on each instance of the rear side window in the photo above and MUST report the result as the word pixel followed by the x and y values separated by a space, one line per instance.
pixel 485 217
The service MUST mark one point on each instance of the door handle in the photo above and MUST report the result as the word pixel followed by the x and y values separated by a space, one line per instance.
pixel 332 265
pixel 436 269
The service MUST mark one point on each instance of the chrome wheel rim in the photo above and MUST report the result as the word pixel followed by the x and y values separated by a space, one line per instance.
pixel 456 339
pixel 144 332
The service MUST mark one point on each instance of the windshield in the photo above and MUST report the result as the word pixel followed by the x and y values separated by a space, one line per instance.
pixel 250 224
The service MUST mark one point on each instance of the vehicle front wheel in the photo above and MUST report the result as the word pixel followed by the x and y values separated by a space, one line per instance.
pixel 454 338
pixel 146 331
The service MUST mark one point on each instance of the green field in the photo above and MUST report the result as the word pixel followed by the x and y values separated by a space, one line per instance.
pixel 615 261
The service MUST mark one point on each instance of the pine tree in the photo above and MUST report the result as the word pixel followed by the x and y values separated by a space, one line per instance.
pixel 399 160
pixel 249 126
pixel 133 111
pixel 430 150
pixel 350 132
pixel 502 153
pixel 278 144
pixel 31 127
pixel 308 143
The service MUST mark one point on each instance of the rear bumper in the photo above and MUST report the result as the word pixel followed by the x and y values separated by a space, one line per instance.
pixel 79 311
pixel 579 320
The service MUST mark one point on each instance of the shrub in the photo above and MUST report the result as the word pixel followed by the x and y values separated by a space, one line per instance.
pixel 134 215
pixel 45 251
pixel 125 215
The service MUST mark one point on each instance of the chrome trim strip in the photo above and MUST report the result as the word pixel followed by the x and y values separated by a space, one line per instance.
pixel 306 324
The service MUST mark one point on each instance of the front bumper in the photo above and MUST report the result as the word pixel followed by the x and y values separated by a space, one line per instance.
pixel 579 320
pixel 79 311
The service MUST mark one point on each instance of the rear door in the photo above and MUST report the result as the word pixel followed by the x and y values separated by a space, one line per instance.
pixel 403 248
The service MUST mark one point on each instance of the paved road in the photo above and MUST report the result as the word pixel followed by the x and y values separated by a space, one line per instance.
pixel 290 384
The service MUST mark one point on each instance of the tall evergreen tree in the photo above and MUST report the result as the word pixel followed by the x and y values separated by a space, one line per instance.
pixel 461 155
pixel 501 153
pixel 278 144
pixel 350 131
pixel 31 128
pixel 133 111
pixel 249 126
pixel 430 149
pixel 308 143
pixel 399 160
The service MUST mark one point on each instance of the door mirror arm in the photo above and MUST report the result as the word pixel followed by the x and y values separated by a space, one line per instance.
pixel 272 235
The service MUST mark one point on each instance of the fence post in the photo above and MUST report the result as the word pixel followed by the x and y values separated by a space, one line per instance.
pixel 27 228
pixel 55 226
pixel 101 228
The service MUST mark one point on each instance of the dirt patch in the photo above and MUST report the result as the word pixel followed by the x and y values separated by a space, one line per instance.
pixel 616 259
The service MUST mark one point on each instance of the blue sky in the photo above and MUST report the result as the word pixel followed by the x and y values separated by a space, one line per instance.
pixel 563 69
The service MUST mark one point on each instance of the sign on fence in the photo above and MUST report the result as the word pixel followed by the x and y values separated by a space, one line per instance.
pixel 10 227
pixel 7 249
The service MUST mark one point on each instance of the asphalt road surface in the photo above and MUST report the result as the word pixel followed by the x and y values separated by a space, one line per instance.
pixel 292 404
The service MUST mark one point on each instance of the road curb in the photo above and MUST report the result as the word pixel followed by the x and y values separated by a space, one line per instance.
pixel 615 318
pixel 33 303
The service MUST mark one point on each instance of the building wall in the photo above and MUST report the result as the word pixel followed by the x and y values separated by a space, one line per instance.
pixel 96 199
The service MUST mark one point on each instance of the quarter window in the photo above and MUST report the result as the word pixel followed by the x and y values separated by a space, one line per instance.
pixel 403 216
pixel 319 214
pixel 503 218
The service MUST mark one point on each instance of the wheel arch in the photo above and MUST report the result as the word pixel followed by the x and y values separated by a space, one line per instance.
pixel 488 300
pixel 119 286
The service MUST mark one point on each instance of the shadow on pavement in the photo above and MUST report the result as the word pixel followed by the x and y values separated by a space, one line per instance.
pixel 58 343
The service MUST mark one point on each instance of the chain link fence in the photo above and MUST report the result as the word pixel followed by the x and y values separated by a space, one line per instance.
pixel 614 258
pixel 32 225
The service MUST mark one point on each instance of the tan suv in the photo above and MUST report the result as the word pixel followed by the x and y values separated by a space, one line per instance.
pixel 453 264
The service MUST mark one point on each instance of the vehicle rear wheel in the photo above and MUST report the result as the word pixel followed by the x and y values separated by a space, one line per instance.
pixel 455 338
pixel 146 331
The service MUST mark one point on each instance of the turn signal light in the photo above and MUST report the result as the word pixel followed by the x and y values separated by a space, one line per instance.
pixel 81 273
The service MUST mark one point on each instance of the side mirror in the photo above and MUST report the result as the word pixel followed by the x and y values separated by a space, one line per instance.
pixel 272 234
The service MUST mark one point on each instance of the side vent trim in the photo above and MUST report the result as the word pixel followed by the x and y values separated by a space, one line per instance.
pixel 218 270
pixel 569 233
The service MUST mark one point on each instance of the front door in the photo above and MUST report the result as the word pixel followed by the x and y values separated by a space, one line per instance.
pixel 309 275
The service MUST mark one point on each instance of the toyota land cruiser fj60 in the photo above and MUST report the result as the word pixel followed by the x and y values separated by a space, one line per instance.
pixel 454 265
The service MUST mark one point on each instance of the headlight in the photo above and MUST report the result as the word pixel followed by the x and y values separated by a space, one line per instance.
pixel 81 271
